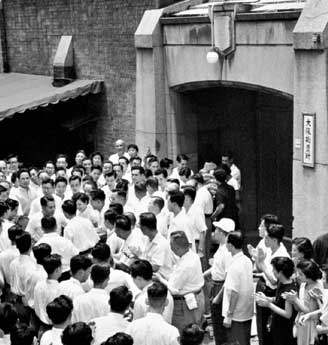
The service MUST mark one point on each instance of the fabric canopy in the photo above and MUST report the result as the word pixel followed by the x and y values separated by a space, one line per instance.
pixel 21 92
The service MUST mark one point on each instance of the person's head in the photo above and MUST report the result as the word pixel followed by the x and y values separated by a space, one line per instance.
pixel 307 271
pixel 123 185
pixel 132 218
pixel 78 333
pixel 179 243
pixel 41 251
pixel 81 200
pixel 173 185
pixel 119 338
pixel 197 180
pixel 265 221
pixel 13 162
pixel 3 167
pixel 153 164
pixel 222 228
pixel 60 310
pixel 151 185
pixel 110 178
pixel 156 204
pixel 124 162
pixel 192 334
pixel 75 184
pixel 110 217
pixel 100 275
pixel 137 174
pixel 118 196
pixel 12 209
pixel 135 162
pixel 141 273
pixel 107 167
pixel 190 195
pixel 157 296
pixel 86 163
pixel 175 201
pixel 22 221
pixel 34 174
pixel 227 158
pixel 60 185
pixel 3 209
pixel 80 266
pixel 220 175
pixel 148 224
pixel 123 227
pixel 61 161
pixel 47 187
pixel 97 199
pixel 3 194
pixel 184 174
pixel 48 206
pixel 48 224
pixel 24 178
pixel 116 207
pixel 101 253
pixel 22 334
pixel 69 208
pixel 182 161
pixel 8 317
pixel 88 185
pixel 53 266
pixel 166 164
pixel 274 235
pixel 24 243
pixel 283 267
pixel 133 150
pixel 120 147
pixel 95 173
pixel 301 249
pixel 140 189
pixel 49 168
pixel 61 172
pixel 235 241
pixel 80 155
pixel 120 299
pixel 161 175
pixel 118 169
pixel 13 232
pixel 97 158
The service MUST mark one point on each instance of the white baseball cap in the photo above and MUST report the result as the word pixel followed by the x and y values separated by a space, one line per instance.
pixel 225 224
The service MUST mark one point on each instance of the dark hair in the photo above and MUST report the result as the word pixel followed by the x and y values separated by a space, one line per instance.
pixel 148 173
pixel 135 159
pixel 21 171
pixel 174 180
pixel 12 204
pixel 101 252
pixel 110 215
pixel 310 269
pixel 96 167
pixel 141 268
pixel 74 178
pixel 190 191
pixel 123 185
pixel 13 232
pixel 120 299
pixel 157 293
pixel 133 146
pixel 96 153
pixel 8 317
pixel 51 263
pixel 192 334
pixel 61 155
pixel 182 157
pixel 152 182
pixel 119 338
pixel 99 273
pixel 198 178
pixel 59 309
pixel 123 222
pixel 110 174
pixel 121 193
pixel 284 265
pixel 48 223
pixel 140 187
pixel 116 207
pixel 22 334
pixel 227 153
pixel 236 239
pixel 226 168
pixel 48 181
pixel 45 199
pixel 78 333
pixel 125 159
pixel 80 262
pixel 165 163
pixel 23 242
pixel 180 239
pixel 60 179
pixel 185 172
pixel 41 251
pixel 220 175
pixel 3 208
pixel 269 219
pixel 177 197
pixel 80 196
pixel 276 231
pixel 69 207
pixel 132 218
pixel 304 246
pixel 140 169
pixel 98 195
pixel 148 220
pixel 161 171
pixel 158 201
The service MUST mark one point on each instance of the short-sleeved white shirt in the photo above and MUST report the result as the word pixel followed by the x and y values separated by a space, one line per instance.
pixel 71 288
pixel 221 261
pixel 197 219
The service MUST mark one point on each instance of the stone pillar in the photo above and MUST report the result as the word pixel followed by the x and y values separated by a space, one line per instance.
pixel 310 185
pixel 3 42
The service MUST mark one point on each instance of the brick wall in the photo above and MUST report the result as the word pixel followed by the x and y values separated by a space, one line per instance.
pixel 103 39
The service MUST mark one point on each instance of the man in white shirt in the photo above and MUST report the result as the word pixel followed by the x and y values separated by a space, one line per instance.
pixel 47 191
pixel 47 290
pixel 182 162
pixel 156 206
pixel 114 322
pixel 185 283
pixel 75 184
pixel 217 273
pixel 59 312
pixel 110 178
pixel 95 302
pixel 228 159
pixel 79 230
pixel 157 249
pixel 153 329
pixel 238 293
pixel 161 175
pixel 120 151
pixel 142 274
pixel 97 201
pixel 48 209
pixel 59 245
pixel 140 203
pixel 80 266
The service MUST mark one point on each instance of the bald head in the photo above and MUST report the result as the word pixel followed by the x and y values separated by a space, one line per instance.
pixel 120 146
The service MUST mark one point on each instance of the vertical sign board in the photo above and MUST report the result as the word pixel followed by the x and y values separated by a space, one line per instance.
pixel 308 140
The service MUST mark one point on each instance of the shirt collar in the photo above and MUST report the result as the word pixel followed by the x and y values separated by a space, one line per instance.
pixel 238 255
pixel 98 291
pixel 155 316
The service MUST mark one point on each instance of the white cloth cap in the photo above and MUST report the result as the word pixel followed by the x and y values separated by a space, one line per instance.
pixel 225 224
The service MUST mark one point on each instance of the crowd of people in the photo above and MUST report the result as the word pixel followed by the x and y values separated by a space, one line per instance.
pixel 127 250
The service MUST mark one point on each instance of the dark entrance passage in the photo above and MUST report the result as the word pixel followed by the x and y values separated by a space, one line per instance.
pixel 258 128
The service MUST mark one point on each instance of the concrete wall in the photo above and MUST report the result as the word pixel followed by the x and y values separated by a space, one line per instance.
pixel 103 34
